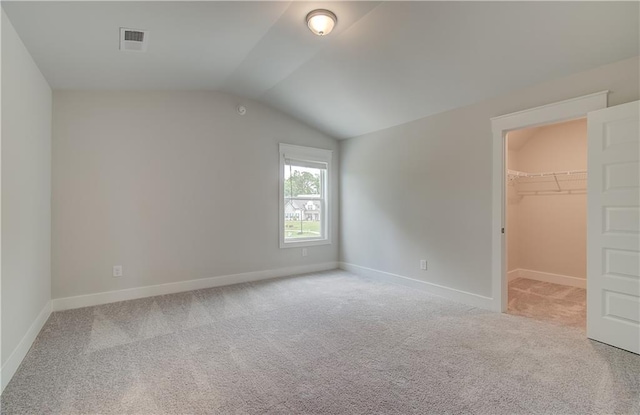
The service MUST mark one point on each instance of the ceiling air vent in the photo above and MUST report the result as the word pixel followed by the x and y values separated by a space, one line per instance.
pixel 133 40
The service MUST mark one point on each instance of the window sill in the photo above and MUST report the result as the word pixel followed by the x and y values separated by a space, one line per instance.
pixel 299 244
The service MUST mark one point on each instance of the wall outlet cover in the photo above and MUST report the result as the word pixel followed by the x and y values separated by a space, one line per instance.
pixel 117 270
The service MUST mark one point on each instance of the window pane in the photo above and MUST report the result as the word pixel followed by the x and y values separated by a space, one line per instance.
pixel 302 218
pixel 301 181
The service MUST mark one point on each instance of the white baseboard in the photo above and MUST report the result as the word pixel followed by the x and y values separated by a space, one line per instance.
pixel 13 362
pixel 464 297
pixel 513 274
pixel 547 277
pixel 106 297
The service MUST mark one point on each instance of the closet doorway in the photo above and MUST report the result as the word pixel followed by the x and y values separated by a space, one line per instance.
pixel 546 222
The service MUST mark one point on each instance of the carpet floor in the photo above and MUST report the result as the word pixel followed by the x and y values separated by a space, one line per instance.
pixel 326 343
pixel 546 301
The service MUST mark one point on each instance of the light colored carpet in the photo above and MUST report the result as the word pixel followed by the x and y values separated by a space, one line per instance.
pixel 559 304
pixel 323 343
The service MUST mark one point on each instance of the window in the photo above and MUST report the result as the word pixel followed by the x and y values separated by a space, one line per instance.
pixel 304 194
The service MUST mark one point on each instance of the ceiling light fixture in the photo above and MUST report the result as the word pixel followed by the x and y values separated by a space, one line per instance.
pixel 321 21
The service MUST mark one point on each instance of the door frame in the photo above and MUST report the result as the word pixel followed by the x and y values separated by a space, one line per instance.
pixel 547 114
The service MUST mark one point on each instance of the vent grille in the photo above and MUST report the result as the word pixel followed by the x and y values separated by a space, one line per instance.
pixel 134 36
pixel 133 40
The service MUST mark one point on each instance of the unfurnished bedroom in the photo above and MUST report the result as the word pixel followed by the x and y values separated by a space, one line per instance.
pixel 294 207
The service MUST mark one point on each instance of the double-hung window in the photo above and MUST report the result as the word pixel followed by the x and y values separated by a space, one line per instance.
pixel 304 196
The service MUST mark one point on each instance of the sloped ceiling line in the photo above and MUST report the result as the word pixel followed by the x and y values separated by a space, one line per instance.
pixel 288 46
pixel 385 64
pixel 324 48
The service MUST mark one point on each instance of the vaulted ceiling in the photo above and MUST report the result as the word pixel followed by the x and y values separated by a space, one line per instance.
pixel 386 63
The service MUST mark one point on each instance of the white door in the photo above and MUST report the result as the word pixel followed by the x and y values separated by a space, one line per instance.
pixel 613 235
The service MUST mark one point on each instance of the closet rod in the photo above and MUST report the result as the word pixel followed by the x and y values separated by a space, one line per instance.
pixel 544 174
pixel 552 192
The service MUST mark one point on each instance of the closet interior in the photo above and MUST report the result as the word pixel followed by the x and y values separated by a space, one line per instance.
pixel 546 224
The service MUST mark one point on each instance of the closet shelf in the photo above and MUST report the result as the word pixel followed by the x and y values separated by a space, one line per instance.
pixel 516 173
pixel 556 182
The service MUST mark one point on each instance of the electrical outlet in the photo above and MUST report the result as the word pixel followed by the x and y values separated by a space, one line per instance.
pixel 117 270
pixel 423 264
pixel 304 252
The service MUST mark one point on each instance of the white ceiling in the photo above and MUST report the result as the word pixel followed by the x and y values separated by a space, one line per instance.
pixel 386 63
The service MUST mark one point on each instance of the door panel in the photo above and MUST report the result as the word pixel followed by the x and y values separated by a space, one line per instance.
pixel 613 235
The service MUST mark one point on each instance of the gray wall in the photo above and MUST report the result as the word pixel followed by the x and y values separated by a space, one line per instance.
pixel 422 190
pixel 26 191
pixel 173 186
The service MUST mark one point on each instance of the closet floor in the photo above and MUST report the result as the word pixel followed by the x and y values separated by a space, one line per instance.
pixel 556 303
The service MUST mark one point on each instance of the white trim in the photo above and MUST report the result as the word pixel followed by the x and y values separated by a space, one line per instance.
pixel 548 277
pixel 106 297
pixel 513 274
pixel 304 243
pixel 551 113
pixel 546 114
pixel 464 297
pixel 13 362
pixel 306 154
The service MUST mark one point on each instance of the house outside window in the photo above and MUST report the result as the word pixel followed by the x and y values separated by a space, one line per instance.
pixel 304 194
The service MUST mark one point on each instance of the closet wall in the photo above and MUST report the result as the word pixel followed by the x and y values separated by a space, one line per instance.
pixel 547 232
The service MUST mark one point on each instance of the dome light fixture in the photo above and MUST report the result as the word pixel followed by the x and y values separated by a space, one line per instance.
pixel 321 22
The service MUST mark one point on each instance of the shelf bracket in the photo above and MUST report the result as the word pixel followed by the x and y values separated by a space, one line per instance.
pixel 555 177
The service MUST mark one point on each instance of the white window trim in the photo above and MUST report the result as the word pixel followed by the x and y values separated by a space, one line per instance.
pixel 308 154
